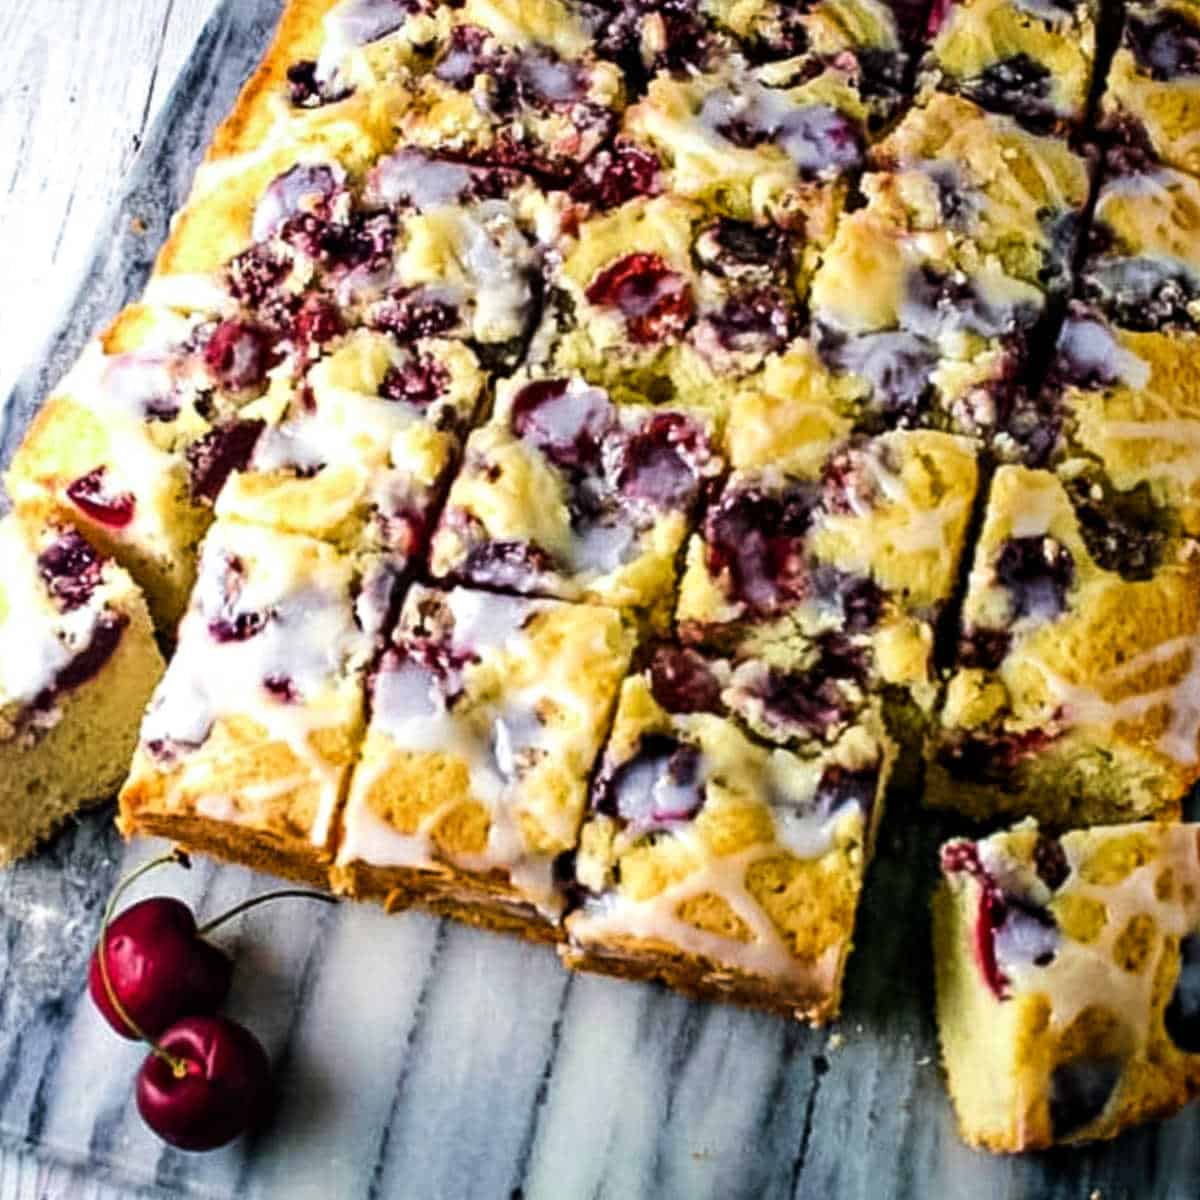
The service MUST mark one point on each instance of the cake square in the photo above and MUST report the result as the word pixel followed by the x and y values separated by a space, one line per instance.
pixel 248 743
pixel 933 327
pixel 1143 266
pixel 1014 195
pixel 771 144
pixel 1128 403
pixel 724 851
pixel 78 662
pixel 1067 981
pixel 1022 57
pixel 1074 696
pixel 1151 98
pixel 360 455
pixel 859 548
pixel 564 493
pixel 487 712
pixel 663 300
pixel 515 83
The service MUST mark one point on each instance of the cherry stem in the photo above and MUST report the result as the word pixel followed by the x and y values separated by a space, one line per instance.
pixel 255 901
pixel 178 1066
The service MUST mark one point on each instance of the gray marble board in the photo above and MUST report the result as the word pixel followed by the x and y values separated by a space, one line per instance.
pixel 417 1058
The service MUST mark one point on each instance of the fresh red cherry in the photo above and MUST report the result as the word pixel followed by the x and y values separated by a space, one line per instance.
pixel 207 1081
pixel 159 968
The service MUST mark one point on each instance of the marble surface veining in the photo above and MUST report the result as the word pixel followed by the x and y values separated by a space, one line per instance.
pixel 417 1058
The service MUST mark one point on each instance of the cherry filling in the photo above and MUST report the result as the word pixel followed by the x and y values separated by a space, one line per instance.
pixel 858 599
pixel 223 450
pixel 361 240
pixel 1037 573
pixel 755 540
pixel 839 787
pixel 70 569
pixel 90 661
pixel 239 354
pixel 282 689
pixel 420 380
pixel 90 494
pixel 655 300
pixel 682 681
pixel 317 322
pixel 660 461
pixel 661 785
pixel 992 757
pixel 809 702
pixel 255 278
pixel 227 623
pixel 759 321
pixel 1166 46
pixel 1018 85
pixel 566 423
pixel 413 313
pixel 1182 1016
pixel 305 90
pixel 1008 929
pixel 737 248
pixel 519 565
pixel 615 175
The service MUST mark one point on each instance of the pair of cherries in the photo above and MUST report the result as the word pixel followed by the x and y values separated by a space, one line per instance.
pixel 156 978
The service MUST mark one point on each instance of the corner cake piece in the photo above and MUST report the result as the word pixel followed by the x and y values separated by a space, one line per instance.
pixel 861 547
pixel 137 440
pixel 1143 264
pixel 1068 981
pixel 725 850
pixel 1030 58
pixel 247 745
pixel 1075 696
pixel 1151 98
pixel 1128 404
pixel 662 300
pixel 361 454
pixel 78 662
pixel 566 494
pixel 1014 195
pixel 487 712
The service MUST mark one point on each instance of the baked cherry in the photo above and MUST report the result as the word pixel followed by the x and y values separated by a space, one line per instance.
pixel 212 458
pixel 70 569
pixel 160 968
pixel 90 494
pixel 208 1081
pixel 655 300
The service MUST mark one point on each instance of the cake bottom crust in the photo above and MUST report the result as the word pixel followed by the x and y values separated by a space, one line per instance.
pixel 651 961
pixel 475 900
pixel 291 859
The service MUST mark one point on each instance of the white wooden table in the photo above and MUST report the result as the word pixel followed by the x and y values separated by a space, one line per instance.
pixel 82 80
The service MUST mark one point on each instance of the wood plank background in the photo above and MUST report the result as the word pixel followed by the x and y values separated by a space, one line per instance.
pixel 80 81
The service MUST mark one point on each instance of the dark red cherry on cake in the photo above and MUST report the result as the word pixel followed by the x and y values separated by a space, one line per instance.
pixel 159 968
pixel 207 1081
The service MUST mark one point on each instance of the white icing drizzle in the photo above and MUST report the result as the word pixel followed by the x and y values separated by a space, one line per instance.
pixel 1087 705
pixel 482 251
pixel 767 955
pixel 1084 973
pixel 308 639
pixel 36 640
pixel 489 738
